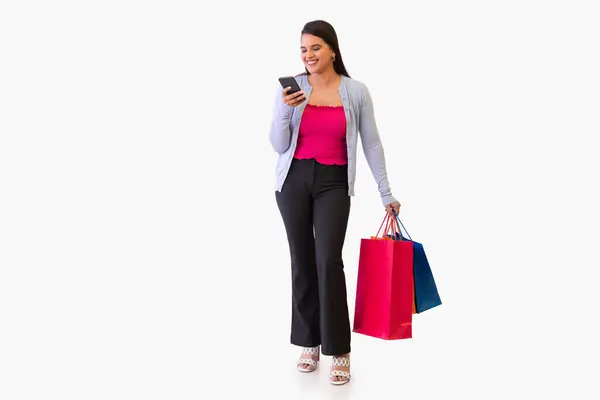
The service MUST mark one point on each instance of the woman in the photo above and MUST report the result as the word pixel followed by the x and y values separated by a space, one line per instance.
pixel 315 133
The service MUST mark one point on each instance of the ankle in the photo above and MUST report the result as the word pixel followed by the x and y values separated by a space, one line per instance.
pixel 347 355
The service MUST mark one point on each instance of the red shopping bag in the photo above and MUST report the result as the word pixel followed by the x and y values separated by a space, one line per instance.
pixel 384 290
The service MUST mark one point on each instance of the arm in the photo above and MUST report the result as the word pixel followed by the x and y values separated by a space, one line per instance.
pixel 281 130
pixel 372 147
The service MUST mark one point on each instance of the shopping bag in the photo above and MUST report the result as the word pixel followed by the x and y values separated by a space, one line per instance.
pixel 426 294
pixel 384 288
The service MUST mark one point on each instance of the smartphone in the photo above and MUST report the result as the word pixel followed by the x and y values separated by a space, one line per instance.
pixel 290 81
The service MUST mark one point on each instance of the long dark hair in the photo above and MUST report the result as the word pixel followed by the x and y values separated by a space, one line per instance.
pixel 325 31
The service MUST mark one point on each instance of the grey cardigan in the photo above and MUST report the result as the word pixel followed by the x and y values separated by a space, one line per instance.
pixel 360 121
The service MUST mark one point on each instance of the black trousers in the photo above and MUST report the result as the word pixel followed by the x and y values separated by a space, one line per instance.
pixel 315 206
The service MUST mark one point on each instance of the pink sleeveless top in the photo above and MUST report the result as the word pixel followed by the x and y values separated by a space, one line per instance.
pixel 322 135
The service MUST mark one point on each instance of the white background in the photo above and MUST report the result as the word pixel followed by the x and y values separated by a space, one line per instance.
pixel 142 255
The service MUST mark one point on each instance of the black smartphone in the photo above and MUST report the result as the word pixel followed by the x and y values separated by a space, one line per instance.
pixel 290 81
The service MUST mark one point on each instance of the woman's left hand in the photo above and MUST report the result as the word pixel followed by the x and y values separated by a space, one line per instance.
pixel 390 208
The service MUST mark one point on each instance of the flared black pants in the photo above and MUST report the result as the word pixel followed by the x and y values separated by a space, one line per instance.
pixel 315 206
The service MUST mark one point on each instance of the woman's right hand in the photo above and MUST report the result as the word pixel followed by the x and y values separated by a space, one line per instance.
pixel 294 99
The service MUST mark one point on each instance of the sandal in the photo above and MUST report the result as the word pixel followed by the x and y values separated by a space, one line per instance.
pixel 336 372
pixel 308 359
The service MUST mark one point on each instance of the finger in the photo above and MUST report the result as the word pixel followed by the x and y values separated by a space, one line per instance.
pixel 294 96
pixel 291 100
pixel 286 90
pixel 298 101
pixel 297 95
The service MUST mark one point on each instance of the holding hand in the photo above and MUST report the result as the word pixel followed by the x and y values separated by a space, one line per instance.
pixel 294 99
pixel 393 207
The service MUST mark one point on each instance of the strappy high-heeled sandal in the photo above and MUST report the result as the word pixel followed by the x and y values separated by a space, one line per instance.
pixel 335 372
pixel 308 359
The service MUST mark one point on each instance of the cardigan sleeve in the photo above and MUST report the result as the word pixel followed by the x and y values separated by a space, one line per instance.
pixel 372 146
pixel 281 130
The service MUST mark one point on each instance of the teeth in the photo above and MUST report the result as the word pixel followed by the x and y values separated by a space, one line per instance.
pixel 311 62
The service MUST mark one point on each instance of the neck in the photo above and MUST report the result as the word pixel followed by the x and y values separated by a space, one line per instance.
pixel 325 78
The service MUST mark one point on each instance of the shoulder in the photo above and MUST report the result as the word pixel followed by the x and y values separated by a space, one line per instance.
pixel 354 84
pixel 301 78
pixel 358 90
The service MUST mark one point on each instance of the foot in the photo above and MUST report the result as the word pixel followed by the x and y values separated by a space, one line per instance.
pixel 340 369
pixel 308 359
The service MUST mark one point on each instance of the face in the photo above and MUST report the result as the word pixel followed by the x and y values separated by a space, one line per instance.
pixel 317 56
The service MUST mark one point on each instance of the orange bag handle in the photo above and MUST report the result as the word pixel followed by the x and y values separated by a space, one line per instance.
pixel 393 225
pixel 386 220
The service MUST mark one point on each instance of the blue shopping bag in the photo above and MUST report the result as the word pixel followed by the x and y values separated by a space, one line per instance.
pixel 426 292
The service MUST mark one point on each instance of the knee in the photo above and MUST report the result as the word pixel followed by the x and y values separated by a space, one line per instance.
pixel 329 261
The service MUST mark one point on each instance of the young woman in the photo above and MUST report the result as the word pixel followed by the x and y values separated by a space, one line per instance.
pixel 315 132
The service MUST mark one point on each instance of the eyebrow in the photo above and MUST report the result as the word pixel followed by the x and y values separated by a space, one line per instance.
pixel 312 45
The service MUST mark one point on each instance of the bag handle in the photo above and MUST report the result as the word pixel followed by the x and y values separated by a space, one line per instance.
pixel 389 223
pixel 397 219
pixel 385 219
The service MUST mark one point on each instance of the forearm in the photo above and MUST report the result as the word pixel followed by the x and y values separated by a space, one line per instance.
pixel 281 133
pixel 375 156
pixel 373 148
